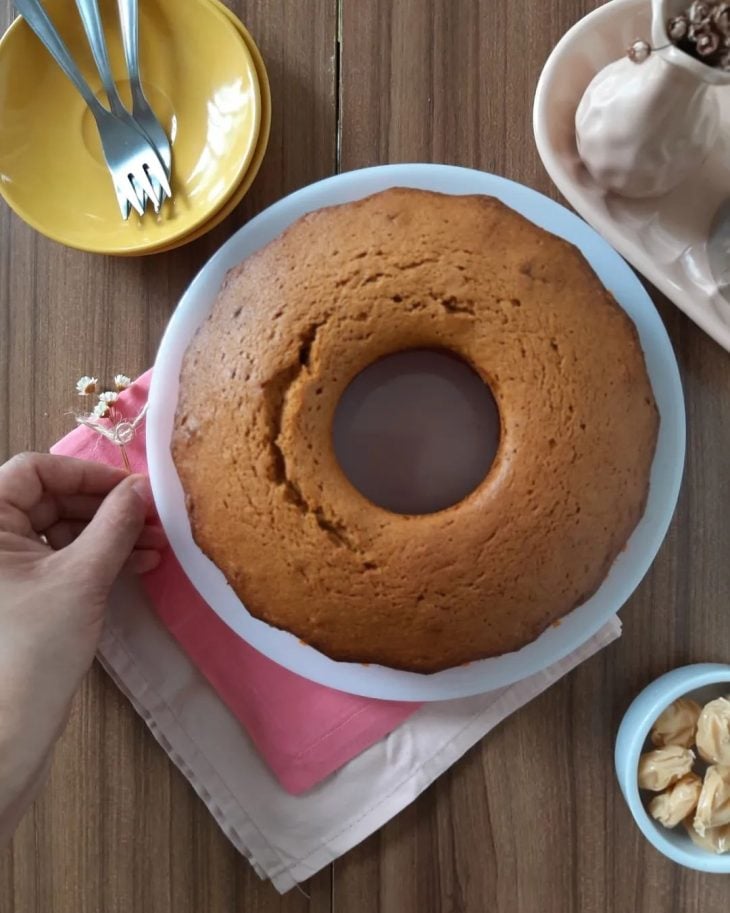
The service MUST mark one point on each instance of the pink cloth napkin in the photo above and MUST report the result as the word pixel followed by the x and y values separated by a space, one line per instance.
pixel 303 731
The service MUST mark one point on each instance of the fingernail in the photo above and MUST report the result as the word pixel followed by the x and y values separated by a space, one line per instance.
pixel 141 487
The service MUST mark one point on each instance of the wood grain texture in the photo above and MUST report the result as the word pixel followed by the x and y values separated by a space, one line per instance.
pixel 530 820
pixel 118 829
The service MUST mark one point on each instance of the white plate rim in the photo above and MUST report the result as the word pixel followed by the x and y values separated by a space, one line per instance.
pixel 484 675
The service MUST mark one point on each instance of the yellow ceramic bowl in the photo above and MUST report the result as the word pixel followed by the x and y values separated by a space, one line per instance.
pixel 258 155
pixel 198 75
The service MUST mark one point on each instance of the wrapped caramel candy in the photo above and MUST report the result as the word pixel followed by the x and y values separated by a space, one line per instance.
pixel 715 839
pixel 713 732
pixel 713 806
pixel 659 769
pixel 677 724
pixel 679 801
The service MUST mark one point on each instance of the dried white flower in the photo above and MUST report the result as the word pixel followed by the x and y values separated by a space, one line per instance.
pixel 121 434
pixel 86 385
pixel 119 430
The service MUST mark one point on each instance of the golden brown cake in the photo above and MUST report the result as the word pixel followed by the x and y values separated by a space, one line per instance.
pixel 342 287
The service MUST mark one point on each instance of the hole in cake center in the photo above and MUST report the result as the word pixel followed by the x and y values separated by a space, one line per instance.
pixel 416 431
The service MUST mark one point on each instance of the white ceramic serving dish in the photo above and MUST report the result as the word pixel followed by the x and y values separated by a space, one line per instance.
pixel 488 674
pixel 702 682
pixel 665 238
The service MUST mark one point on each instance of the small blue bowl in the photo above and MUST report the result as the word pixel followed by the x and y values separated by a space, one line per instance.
pixel 702 682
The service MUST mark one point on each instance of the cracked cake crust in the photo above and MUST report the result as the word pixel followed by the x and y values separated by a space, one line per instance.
pixel 297 321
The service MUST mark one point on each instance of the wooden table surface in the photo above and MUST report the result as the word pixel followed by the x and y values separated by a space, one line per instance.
pixel 531 819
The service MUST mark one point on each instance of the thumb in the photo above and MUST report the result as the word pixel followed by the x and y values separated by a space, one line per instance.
pixel 106 543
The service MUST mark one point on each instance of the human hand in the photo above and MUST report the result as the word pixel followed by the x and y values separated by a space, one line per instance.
pixel 67 529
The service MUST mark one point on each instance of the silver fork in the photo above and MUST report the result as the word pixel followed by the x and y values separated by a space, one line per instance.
pixel 91 19
pixel 129 156
pixel 141 109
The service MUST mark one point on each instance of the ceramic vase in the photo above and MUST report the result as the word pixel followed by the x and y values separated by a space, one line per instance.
pixel 642 128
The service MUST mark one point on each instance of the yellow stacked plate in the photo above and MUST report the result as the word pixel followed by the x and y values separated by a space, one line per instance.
pixel 207 82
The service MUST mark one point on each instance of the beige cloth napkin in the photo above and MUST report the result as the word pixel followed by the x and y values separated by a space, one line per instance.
pixel 289 838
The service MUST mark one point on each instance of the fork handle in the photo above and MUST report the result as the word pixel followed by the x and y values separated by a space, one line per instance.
pixel 91 19
pixel 129 20
pixel 37 18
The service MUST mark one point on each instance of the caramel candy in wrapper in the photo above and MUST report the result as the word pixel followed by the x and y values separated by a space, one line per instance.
pixel 677 724
pixel 713 807
pixel 659 769
pixel 713 732
pixel 680 800
pixel 715 839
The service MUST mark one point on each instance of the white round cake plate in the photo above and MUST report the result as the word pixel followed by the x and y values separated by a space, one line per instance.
pixel 484 675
